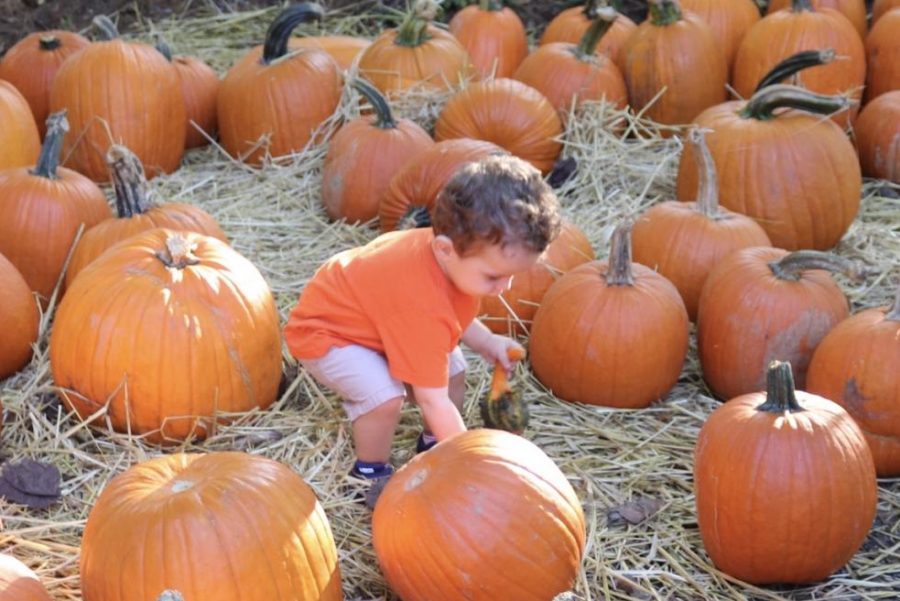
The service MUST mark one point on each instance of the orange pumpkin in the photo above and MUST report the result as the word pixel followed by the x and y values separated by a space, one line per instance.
pixel 415 187
pixel 654 60
pixel 342 48
pixel 566 73
pixel 570 25
pixel 878 137
pixel 856 366
pixel 853 10
pixel 589 337
pixel 120 92
pixel 783 33
pixel 271 102
pixel 768 466
pixel 18 582
pixel 43 209
pixel 416 54
pixel 488 486
pixel 493 35
pixel 169 332
pixel 760 304
pixel 31 64
pixel 684 240
pixel 882 50
pixel 729 19
pixel 507 113
pixel 364 155
pixel 201 524
pixel 771 165
pixel 136 214
pixel 514 310
pixel 199 86
pixel 19 321
pixel 20 142
pixel 881 8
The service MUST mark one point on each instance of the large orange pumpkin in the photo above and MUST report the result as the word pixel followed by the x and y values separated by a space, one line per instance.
pixel 20 142
pixel 220 526
pixel 481 498
pixel 507 113
pixel 729 19
pixel 570 25
pixel 19 320
pixel 796 174
pixel 760 304
pixel 853 10
pixel 768 466
pixel 684 240
pixel 167 332
pixel 18 582
pixel 878 137
pixel 32 63
pixel 589 340
pixel 43 209
pixel 272 102
pixel 856 365
pixel 200 87
pixel 119 92
pixel 673 61
pixel 493 35
pixel 363 157
pixel 882 52
pixel 136 213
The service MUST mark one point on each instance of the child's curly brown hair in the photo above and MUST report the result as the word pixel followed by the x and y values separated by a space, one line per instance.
pixel 501 200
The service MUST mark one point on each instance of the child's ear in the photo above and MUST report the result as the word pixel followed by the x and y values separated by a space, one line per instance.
pixel 443 246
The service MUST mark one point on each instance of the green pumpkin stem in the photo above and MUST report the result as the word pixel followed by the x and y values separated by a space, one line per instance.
pixel 794 64
pixel 707 179
pixel 619 271
pixel 49 42
pixel 170 595
pixel 781 395
pixel 894 313
pixel 798 5
pixel 279 32
pixel 108 29
pixel 51 149
pixel 384 116
pixel 179 252
pixel 792 266
pixel 763 104
pixel 129 182
pixel 604 19
pixel 664 12
pixel 164 49
pixel 413 31
pixel 490 5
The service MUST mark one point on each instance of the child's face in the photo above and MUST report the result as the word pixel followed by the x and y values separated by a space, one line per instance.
pixel 486 271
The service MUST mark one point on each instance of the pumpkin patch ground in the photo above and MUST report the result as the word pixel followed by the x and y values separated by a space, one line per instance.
pixel 631 470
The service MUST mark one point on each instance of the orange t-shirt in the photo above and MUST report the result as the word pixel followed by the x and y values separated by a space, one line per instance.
pixel 390 296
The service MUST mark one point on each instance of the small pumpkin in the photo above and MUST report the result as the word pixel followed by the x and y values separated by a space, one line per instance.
pixel 200 87
pixel 729 19
pixel 570 25
pixel 481 485
pixel 882 50
pixel 199 523
pixel 31 64
pixel 760 304
pixel 136 213
pixel 852 10
pixel 493 35
pixel 363 156
pixel 856 365
pixel 18 582
pixel 588 340
pixel 20 142
pixel 503 408
pixel 878 137
pixel 19 321
pixel 768 466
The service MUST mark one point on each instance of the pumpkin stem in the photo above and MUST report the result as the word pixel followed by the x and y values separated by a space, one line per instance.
pixel 416 216
pixel 794 64
pixel 49 42
pixel 781 395
pixel 170 595
pixel 179 252
pixel 384 117
pixel 413 31
pixel 279 32
pixel 798 5
pixel 129 182
pixel 791 266
pixel 664 12
pixel 708 184
pixel 490 5
pixel 48 161
pixel 763 103
pixel 603 20
pixel 619 271
pixel 894 313
pixel 164 49
pixel 108 29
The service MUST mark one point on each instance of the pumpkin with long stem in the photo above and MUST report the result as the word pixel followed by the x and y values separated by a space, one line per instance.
pixel 882 50
pixel 878 137
pixel 760 304
pixel 793 64
pixel 852 10
pixel 566 73
pixel 197 524
pixel 200 87
pixel 493 35
pixel 729 19
pixel 857 365
pixel 31 64
pixel 795 173
pixel 43 209
pixel 786 32
pixel 363 156
pixel 589 341
pixel 19 320
pixel 673 66
pixel 570 25
pixel 20 142
pixel 684 240
pixel 272 101
pixel 504 408
pixel 784 484
pixel 137 212
pixel 18 582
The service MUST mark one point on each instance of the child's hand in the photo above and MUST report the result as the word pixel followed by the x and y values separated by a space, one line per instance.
pixel 502 350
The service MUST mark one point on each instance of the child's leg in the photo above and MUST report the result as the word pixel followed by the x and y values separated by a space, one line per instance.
pixel 373 432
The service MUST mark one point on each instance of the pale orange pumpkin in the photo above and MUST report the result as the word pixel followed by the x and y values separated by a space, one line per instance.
pixel 729 20
pixel 18 582
pixel 882 50
pixel 200 87
pixel 493 35
pixel 344 49
pixel 570 25
pixel 878 137
pixel 19 321
pixel 20 142
pixel 852 10
pixel 881 8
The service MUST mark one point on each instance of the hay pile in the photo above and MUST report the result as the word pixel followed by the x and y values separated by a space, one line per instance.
pixel 273 216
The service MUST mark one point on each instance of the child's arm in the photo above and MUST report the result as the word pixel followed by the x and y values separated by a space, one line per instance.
pixel 493 347
pixel 440 413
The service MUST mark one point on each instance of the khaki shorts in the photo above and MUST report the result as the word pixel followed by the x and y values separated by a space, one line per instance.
pixel 361 377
